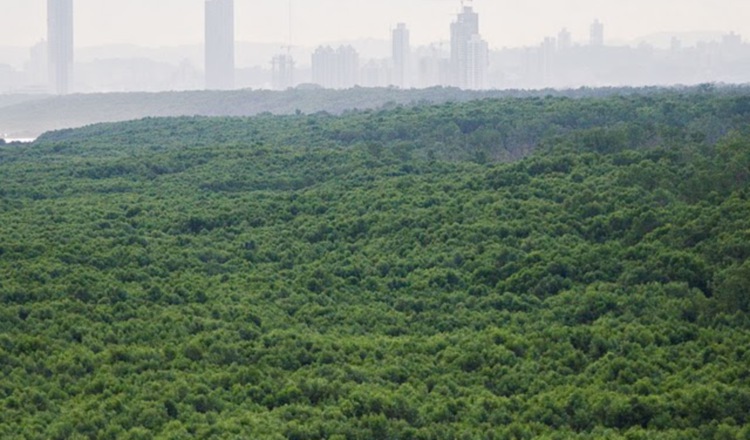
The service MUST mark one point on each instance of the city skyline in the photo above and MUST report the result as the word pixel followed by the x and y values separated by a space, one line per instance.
pixel 465 61
pixel 323 21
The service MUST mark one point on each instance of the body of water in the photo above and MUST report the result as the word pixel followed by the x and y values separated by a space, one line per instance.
pixel 22 140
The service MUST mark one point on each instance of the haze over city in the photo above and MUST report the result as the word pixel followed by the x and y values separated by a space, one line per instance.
pixel 506 24
pixel 84 46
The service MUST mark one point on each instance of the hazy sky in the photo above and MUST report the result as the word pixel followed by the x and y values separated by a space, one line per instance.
pixel 503 22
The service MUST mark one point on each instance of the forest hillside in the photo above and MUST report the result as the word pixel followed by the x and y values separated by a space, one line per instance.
pixel 510 268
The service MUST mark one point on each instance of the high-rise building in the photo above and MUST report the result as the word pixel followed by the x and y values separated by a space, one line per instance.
pixel 219 44
pixel 463 30
pixel 547 60
pixel 348 67
pixel 596 37
pixel 282 72
pixel 564 40
pixel 376 73
pixel 433 66
pixel 401 56
pixel 732 41
pixel 478 61
pixel 324 67
pixel 60 45
pixel 335 69
pixel 37 68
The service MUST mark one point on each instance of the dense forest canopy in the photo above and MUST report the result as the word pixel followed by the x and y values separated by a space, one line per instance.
pixel 514 268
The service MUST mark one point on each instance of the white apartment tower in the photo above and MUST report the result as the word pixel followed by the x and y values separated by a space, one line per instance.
pixel 335 68
pixel 401 56
pixel 467 59
pixel 219 44
pixel 324 66
pixel 60 45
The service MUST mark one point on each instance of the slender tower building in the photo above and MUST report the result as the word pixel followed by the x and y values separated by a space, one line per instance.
pixel 401 56
pixel 219 44
pixel 60 45
pixel 463 29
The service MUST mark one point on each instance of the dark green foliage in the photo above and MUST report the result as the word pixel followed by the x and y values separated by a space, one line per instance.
pixel 733 288
pixel 532 268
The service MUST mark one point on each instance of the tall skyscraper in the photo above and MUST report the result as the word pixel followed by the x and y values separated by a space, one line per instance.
pixel 60 45
pixel 219 44
pixel 401 56
pixel 597 34
pixel 463 30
